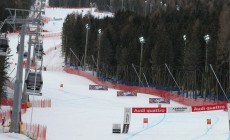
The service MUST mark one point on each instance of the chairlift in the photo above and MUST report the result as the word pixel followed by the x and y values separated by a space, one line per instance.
pixel 38 48
pixel 25 54
pixel 39 51
pixel 4 46
pixel 34 83
pixel 18 46
pixel 39 56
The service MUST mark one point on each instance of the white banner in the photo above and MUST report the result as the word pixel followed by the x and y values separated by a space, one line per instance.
pixel 178 109
pixel 116 128
pixel 228 106
pixel 127 115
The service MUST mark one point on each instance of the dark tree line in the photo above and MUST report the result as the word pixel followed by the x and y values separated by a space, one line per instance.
pixel 163 31
pixel 4 64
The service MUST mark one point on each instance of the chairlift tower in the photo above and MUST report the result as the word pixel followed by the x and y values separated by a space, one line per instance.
pixel 37 15
pixel 14 19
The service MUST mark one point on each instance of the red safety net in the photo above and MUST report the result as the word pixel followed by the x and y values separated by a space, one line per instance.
pixel 146 90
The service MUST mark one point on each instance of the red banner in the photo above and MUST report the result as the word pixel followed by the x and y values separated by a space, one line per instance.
pixel 209 107
pixel 161 93
pixel 148 110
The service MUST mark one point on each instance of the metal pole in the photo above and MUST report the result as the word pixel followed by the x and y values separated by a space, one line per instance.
pixel 98 51
pixel 76 56
pixel 122 6
pixel 206 38
pixel 145 8
pixel 93 60
pixel 137 75
pixel 184 52
pixel 206 58
pixel 25 97
pixel 86 44
pixel 14 127
pixel 146 80
pixel 140 63
pixel 172 76
pixel 219 82
pixel 151 6
pixel 185 38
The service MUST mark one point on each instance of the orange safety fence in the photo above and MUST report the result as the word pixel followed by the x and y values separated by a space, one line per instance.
pixel 32 65
pixel 34 131
pixel 9 102
pixel 52 35
pixel 69 7
pixel 9 84
pixel 45 103
pixel 152 91
pixel 5 116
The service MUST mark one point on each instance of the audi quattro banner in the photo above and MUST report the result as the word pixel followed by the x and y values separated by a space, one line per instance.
pixel 98 87
pixel 209 107
pixel 148 110
pixel 159 100
pixel 126 93
pixel 179 109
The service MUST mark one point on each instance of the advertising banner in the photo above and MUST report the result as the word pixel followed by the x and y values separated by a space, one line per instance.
pixel 159 100
pixel 228 105
pixel 178 109
pixel 116 128
pixel 209 107
pixel 98 87
pixel 148 110
pixel 126 93
pixel 127 117
pixel 125 128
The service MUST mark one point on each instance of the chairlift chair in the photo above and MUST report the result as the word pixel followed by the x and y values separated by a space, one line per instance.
pixel 38 48
pixel 25 54
pixel 4 46
pixel 34 83
pixel 39 51
pixel 18 46
pixel 39 56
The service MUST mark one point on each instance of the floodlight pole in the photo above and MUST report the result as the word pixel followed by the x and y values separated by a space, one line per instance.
pixel 142 41
pixel 14 127
pixel 98 50
pixel 185 39
pixel 146 7
pixel 206 38
pixel 86 44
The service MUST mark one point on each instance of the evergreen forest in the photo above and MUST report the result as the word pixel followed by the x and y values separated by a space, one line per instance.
pixel 185 49
pixel 4 60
